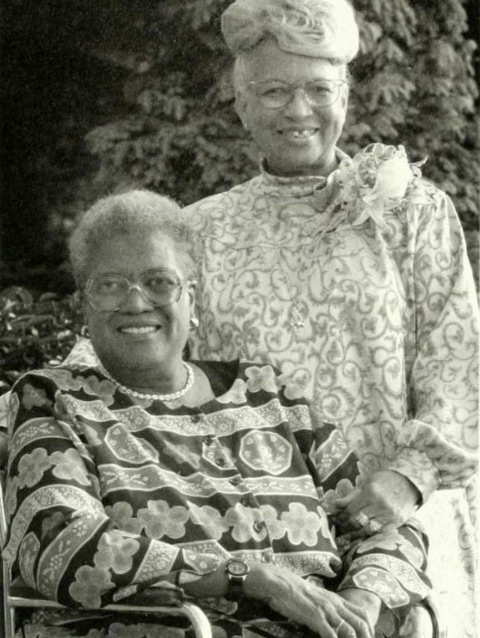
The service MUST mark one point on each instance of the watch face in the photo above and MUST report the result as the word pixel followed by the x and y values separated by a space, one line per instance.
pixel 237 568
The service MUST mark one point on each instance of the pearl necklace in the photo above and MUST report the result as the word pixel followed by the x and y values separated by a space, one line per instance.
pixel 155 397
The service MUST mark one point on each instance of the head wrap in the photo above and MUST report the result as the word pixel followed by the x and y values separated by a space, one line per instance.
pixel 315 28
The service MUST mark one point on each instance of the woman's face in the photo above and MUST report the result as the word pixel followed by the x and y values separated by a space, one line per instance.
pixel 298 139
pixel 139 338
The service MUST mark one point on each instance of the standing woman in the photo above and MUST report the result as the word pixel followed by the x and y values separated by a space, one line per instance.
pixel 351 274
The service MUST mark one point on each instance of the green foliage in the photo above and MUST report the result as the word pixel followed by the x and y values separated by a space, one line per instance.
pixel 412 84
pixel 34 333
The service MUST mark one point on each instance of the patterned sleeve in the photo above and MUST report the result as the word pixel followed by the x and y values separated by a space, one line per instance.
pixel 391 564
pixel 61 539
pixel 438 446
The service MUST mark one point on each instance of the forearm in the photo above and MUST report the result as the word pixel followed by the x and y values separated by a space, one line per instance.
pixel 257 584
pixel 391 564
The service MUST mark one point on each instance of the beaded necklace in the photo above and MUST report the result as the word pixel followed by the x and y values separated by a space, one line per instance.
pixel 155 397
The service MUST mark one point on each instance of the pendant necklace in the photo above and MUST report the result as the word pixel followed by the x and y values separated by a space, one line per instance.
pixel 155 397
pixel 296 313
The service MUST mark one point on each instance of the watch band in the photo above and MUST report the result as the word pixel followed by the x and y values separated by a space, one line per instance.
pixel 237 571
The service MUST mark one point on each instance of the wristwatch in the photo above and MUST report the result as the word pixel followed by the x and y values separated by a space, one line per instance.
pixel 237 571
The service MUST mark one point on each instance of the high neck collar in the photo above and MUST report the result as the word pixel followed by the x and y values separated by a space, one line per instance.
pixel 302 183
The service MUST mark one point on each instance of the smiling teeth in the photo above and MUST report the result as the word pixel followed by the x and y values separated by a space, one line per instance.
pixel 138 330
pixel 300 134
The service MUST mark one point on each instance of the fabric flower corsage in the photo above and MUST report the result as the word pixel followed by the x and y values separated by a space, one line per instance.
pixel 375 181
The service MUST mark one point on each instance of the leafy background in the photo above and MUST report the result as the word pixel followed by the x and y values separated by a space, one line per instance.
pixel 100 96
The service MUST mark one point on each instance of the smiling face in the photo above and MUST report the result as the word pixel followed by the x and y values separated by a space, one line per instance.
pixel 139 344
pixel 298 139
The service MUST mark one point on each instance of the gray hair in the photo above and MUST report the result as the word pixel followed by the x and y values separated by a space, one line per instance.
pixel 313 28
pixel 133 213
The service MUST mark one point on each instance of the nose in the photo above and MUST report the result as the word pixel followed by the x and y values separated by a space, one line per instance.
pixel 298 106
pixel 135 301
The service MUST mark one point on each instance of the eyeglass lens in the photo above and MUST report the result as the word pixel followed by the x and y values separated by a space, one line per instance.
pixel 109 292
pixel 276 94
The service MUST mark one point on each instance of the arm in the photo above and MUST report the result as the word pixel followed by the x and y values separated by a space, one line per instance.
pixel 293 597
pixel 391 564
pixel 441 438
pixel 387 569
pixel 61 538
pixel 437 446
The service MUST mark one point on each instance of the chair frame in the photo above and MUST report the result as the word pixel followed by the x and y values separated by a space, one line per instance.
pixel 12 601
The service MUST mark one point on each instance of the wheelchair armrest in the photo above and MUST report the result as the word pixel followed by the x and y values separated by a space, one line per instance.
pixel 154 600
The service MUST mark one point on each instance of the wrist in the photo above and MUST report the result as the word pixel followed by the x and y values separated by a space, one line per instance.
pixel 407 486
pixel 236 571
pixel 212 585
pixel 260 581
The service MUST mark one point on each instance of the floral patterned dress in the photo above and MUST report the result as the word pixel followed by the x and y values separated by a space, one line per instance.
pixel 109 495
pixel 359 288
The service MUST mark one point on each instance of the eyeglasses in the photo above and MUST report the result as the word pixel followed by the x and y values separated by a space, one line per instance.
pixel 160 287
pixel 274 94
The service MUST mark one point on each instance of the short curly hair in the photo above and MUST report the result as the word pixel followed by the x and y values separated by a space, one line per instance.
pixel 314 28
pixel 134 213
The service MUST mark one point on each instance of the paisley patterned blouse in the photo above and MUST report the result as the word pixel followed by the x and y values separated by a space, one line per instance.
pixel 359 288
pixel 107 495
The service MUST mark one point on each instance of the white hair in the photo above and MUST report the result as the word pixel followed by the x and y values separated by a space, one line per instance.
pixel 132 214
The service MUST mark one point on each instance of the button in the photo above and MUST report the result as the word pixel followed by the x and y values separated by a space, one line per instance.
pixel 258 526
pixel 236 480
pixel 208 440
pixel 196 418
pixel 221 461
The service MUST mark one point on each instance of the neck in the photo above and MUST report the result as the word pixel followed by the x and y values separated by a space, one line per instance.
pixel 313 170
pixel 149 380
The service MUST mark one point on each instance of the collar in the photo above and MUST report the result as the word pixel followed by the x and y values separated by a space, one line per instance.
pixel 300 185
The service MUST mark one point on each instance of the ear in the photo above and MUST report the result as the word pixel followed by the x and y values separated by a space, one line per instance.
pixel 191 292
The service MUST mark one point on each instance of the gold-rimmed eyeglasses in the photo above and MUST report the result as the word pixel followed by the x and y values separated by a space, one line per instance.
pixel 275 94
pixel 159 287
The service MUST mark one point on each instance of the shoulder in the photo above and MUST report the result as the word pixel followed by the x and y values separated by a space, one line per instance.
pixel 40 387
pixel 381 181
pixel 222 201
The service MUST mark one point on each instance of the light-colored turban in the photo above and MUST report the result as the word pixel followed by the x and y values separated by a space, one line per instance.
pixel 315 28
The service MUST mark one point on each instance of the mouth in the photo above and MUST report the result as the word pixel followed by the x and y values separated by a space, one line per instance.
pixel 138 331
pixel 298 134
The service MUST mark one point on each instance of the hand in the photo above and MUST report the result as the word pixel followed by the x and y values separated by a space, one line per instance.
pixel 387 498
pixel 326 613
pixel 363 599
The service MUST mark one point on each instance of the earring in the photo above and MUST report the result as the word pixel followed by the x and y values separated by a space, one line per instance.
pixel 194 322
pixel 84 332
pixel 245 126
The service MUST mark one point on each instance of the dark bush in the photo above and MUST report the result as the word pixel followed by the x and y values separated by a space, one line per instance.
pixel 35 333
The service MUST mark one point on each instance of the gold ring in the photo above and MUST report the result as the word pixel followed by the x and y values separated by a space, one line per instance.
pixel 362 519
pixel 374 526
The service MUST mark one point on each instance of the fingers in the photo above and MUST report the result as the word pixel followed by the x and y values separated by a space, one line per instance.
pixel 360 621
pixel 340 623
pixel 368 512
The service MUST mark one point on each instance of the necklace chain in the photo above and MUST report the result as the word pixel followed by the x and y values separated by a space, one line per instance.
pixel 295 314
pixel 155 397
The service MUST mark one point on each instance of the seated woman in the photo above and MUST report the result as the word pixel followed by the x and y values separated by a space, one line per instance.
pixel 140 468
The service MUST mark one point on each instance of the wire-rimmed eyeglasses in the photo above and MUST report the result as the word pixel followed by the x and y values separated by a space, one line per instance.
pixel 275 94
pixel 159 287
